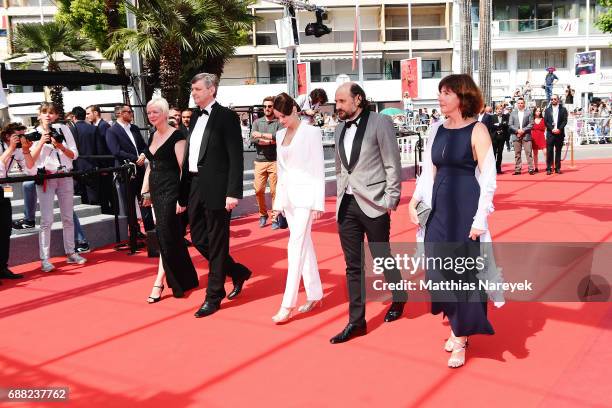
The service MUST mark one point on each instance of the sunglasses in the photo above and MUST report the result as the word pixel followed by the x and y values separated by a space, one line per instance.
pixel 127 111
pixel 268 106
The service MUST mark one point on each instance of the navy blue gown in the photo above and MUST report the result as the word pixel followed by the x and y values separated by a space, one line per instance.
pixel 454 203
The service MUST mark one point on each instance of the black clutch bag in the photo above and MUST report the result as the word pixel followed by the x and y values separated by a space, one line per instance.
pixel 423 211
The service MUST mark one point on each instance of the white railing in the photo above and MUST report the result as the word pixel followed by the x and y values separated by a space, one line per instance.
pixel 590 130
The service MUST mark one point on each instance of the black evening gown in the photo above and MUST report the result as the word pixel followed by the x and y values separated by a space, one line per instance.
pixel 164 180
pixel 454 203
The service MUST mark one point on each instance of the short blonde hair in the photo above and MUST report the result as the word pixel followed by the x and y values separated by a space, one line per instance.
pixel 161 104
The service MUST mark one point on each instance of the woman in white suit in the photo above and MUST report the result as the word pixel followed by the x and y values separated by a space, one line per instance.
pixel 300 194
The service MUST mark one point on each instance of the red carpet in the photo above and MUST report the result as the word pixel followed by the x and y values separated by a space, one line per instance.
pixel 89 328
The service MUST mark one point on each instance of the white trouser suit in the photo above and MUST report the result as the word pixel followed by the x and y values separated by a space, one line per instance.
pixel 300 190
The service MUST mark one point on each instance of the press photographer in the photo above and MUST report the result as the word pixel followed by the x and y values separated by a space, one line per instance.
pixel 11 154
pixel 53 153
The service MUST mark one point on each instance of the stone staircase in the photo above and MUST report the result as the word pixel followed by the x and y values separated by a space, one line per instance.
pixel 99 229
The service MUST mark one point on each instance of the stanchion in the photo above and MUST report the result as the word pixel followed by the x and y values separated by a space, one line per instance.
pixel 571 141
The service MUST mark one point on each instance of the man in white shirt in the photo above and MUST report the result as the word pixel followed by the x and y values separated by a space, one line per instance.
pixel 555 118
pixel 521 122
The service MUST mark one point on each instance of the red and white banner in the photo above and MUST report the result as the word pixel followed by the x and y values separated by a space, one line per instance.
pixel 303 78
pixel 411 76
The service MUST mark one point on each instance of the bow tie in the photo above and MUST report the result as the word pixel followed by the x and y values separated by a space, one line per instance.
pixel 350 123
pixel 202 112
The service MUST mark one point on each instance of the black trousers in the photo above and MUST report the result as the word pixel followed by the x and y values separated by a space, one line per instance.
pixel 554 145
pixel 498 151
pixel 146 212
pixel 353 226
pixel 210 235
pixel 5 231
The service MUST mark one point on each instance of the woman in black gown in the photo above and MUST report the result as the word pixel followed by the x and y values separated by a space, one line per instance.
pixel 458 218
pixel 160 188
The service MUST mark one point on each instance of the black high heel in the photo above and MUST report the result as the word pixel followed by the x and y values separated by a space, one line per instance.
pixel 151 299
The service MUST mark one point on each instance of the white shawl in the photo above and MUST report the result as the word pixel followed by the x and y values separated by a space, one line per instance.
pixel 486 174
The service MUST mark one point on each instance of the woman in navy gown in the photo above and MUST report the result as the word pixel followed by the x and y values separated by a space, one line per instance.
pixel 458 185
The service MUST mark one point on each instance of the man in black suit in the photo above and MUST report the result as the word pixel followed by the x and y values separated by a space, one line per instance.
pixel 211 186
pixel 93 115
pixel 86 138
pixel 126 143
pixel 555 118
pixel 499 134
pixel 486 118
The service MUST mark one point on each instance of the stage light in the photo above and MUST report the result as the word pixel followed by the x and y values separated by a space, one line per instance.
pixel 318 29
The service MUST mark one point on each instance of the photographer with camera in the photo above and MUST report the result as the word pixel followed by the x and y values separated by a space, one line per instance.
pixel 52 153
pixel 11 154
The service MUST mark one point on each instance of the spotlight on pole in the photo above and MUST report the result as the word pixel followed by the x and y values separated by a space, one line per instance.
pixel 318 29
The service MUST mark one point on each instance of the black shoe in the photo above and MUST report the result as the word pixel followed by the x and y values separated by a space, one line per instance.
pixel 558 172
pixel 349 332
pixel 188 243
pixel 395 311
pixel 537 170
pixel 6 273
pixel 82 248
pixel 23 224
pixel 516 173
pixel 140 235
pixel 548 172
pixel 532 172
pixel 207 309
pixel 500 172
pixel 237 287
pixel 152 299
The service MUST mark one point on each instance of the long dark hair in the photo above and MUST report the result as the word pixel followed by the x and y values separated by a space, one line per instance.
pixel 285 103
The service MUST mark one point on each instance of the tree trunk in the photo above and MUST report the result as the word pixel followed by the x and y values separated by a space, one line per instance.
pixel 111 8
pixel 55 92
pixel 485 55
pixel 150 69
pixel 169 73
pixel 465 24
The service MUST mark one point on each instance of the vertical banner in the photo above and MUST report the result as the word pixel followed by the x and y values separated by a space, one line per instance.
pixel 411 76
pixel 586 63
pixel 303 78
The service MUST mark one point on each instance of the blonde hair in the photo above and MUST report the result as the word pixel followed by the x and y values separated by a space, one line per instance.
pixel 161 104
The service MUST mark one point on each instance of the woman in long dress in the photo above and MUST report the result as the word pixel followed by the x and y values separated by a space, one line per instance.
pixel 161 188
pixel 457 183
pixel 538 138
pixel 300 194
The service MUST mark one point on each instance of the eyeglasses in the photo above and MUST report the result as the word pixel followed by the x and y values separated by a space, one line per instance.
pixel 268 106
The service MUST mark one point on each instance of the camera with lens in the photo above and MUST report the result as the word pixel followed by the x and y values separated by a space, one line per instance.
pixel 36 136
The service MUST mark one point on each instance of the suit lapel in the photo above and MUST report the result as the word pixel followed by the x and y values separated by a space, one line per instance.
pixel 207 131
pixel 358 141
pixel 341 147
pixel 128 138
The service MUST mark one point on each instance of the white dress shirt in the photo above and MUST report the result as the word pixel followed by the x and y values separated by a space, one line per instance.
pixel 51 158
pixel 127 127
pixel 349 137
pixel 521 114
pixel 555 112
pixel 195 141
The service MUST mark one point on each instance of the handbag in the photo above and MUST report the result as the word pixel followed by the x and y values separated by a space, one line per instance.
pixel 423 211
pixel 281 220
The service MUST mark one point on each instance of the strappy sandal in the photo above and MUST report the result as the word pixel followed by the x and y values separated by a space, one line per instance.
pixel 152 299
pixel 458 346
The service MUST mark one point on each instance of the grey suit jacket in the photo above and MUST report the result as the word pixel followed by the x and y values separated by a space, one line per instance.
pixel 374 169
pixel 513 125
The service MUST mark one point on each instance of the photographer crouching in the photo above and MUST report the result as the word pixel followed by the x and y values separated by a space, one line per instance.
pixel 11 153
pixel 53 153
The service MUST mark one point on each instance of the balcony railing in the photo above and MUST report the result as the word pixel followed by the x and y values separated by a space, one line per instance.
pixel 418 33
pixel 326 77
pixel 541 27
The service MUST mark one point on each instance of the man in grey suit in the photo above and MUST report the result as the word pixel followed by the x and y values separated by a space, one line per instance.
pixel 368 177
pixel 521 122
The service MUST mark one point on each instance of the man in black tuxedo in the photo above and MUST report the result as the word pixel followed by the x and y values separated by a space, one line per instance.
pixel 555 118
pixel 93 115
pixel 211 186
pixel 126 143
pixel 499 134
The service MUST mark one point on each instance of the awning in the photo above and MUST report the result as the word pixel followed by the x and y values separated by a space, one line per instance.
pixel 319 57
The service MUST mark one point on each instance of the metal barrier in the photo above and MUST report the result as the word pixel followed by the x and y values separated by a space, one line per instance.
pixel 590 130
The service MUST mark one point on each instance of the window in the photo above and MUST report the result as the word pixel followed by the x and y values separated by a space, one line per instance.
pixel 431 68
pixel 500 60
pixel 315 71
pixel 278 73
pixel 540 59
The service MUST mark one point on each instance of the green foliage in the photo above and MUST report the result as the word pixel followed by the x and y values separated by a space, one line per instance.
pixel 89 18
pixel 50 39
pixel 604 22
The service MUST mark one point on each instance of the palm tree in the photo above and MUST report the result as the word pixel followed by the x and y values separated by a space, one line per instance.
pixel 485 55
pixel 182 35
pixel 52 40
pixel 465 31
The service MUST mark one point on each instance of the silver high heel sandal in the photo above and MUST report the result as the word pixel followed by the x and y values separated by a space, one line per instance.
pixel 309 305
pixel 283 315
pixel 456 361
